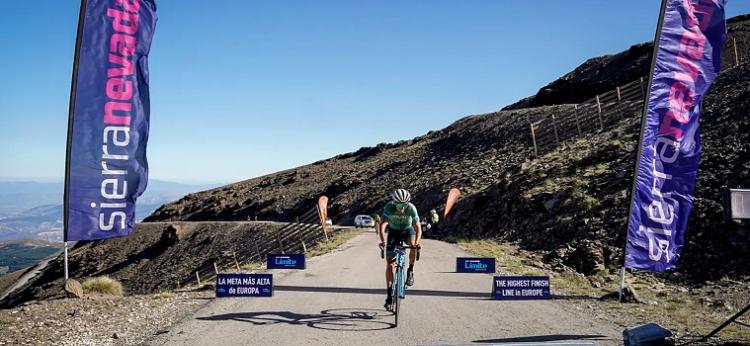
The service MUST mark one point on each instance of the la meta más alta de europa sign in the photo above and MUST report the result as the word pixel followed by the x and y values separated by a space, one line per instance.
pixel 244 285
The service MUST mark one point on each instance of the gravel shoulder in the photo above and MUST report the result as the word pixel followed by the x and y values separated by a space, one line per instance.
pixel 96 320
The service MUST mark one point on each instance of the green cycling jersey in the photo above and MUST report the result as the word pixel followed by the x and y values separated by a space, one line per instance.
pixel 400 221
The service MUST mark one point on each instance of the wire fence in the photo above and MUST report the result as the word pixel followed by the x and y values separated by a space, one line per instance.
pixel 604 110
pixel 295 237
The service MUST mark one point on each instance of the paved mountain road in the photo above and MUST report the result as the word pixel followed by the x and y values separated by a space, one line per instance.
pixel 338 300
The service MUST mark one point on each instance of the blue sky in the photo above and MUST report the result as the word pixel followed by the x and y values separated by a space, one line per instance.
pixel 245 88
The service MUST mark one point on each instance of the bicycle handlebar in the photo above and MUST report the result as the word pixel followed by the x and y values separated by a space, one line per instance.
pixel 382 249
pixel 410 247
pixel 403 246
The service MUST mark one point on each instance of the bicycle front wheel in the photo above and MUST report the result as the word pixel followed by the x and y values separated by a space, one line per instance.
pixel 396 296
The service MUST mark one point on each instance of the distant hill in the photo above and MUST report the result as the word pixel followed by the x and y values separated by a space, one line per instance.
pixel 34 210
pixel 17 196
pixel 43 222
pixel 19 254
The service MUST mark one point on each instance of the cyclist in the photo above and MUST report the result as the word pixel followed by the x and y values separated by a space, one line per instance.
pixel 433 220
pixel 400 218
pixel 376 220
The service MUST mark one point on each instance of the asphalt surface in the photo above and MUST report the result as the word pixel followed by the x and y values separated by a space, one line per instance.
pixel 338 300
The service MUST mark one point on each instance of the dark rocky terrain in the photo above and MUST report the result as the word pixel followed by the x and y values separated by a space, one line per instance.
pixel 166 256
pixel 569 204
pixel 573 201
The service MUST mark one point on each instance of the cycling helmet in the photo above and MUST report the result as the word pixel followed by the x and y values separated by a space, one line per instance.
pixel 400 196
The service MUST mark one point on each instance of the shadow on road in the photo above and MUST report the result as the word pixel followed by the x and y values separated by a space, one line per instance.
pixel 379 291
pixel 572 297
pixel 343 319
pixel 544 338
pixel 411 292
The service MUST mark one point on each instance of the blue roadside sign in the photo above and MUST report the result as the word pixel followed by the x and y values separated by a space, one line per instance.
pixel 475 265
pixel 244 285
pixel 521 287
pixel 281 261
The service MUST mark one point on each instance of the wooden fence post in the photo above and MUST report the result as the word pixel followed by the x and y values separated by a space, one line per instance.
pixel 281 245
pixel 533 139
pixel 257 249
pixel 554 127
pixel 619 98
pixel 198 276
pixel 643 90
pixel 578 124
pixel 599 107
pixel 216 269
pixel 304 247
pixel 234 255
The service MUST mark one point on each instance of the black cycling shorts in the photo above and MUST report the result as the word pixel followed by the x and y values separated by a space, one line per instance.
pixel 396 237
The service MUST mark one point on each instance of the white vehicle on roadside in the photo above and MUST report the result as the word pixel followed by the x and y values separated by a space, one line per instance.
pixel 364 221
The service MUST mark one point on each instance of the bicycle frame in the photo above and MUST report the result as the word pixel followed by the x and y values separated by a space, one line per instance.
pixel 398 285
pixel 399 277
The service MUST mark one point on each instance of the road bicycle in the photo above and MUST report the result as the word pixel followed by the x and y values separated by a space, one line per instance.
pixel 398 287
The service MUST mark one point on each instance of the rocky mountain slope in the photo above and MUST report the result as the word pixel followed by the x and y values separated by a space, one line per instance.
pixel 573 202
pixel 569 204
pixel 166 256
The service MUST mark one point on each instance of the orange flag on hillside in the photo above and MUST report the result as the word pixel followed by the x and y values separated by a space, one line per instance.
pixel 323 213
pixel 453 196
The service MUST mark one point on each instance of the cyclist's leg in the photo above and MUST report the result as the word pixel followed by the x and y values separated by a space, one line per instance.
pixel 390 257
pixel 392 239
pixel 389 267
pixel 412 236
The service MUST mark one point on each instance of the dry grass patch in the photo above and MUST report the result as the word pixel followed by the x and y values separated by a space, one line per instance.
pixel 509 260
pixel 164 295
pixel 252 266
pixel 505 256
pixel 671 306
pixel 103 285
pixel 320 248
pixel 333 242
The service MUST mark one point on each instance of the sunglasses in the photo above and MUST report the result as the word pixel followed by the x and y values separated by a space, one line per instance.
pixel 401 205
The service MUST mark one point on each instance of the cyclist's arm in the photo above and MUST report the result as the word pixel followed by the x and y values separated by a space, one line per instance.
pixel 381 231
pixel 416 222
